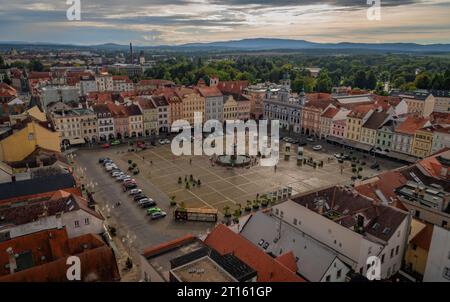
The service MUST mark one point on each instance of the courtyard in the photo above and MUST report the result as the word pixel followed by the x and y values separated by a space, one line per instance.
pixel 226 187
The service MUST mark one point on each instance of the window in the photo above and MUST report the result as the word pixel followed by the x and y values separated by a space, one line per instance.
pixel 396 250
pixel 77 224
pixel 328 278
pixel 392 253
pixel 417 214
pixel 382 259
pixel 86 221
pixel 339 274
pixel 295 221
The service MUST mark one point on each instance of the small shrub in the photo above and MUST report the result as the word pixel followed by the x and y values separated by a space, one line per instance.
pixel 130 161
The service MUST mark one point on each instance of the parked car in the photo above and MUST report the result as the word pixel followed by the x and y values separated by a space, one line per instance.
pixel 167 141
pixel 139 197
pixel 146 203
pixel 129 186
pixel 103 159
pixel 106 146
pixel 317 148
pixel 121 177
pixel 375 166
pixel 107 162
pixel 153 210
pixel 128 180
pixel 116 173
pixel 111 167
pixel 338 155
pixel 302 143
pixel 141 145
pixel 135 191
pixel 158 215
pixel 115 142
pixel 310 139
pixel 162 141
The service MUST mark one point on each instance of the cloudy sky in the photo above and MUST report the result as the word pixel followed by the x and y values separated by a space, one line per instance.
pixel 156 22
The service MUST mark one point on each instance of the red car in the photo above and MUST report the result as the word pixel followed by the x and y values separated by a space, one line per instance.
pixel 106 146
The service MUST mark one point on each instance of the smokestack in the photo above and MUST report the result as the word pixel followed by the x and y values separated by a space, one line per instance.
pixel 131 53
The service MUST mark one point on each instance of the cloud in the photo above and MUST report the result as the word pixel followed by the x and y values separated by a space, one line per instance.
pixel 182 21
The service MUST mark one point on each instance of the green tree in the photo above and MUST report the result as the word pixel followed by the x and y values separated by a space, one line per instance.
pixel 360 79
pixel 36 65
pixel 371 81
pixel 324 83
pixel 423 81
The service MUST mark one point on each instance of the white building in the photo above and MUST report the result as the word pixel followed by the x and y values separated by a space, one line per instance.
pixel 105 122
pixel 438 261
pixel 65 94
pixel 441 139
pixel 315 261
pixel 122 84
pixel 104 82
pixel 351 225
pixel 88 84
pixel 442 101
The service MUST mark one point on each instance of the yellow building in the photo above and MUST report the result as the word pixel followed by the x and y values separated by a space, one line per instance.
pixel 370 128
pixel 419 244
pixel 423 142
pixel 21 144
pixel 192 102
pixel 230 109
pixel 356 119
pixel 37 114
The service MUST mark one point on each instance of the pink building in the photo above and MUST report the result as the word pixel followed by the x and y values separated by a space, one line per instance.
pixel 339 124
pixel 121 120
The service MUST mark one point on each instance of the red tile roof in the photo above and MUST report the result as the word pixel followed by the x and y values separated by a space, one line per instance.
pixel 49 251
pixel 330 112
pixel 233 87
pixel 411 124
pixel 288 260
pixel 225 241
pixel 209 91
pixel 39 75
pixel 386 182
pixel 361 110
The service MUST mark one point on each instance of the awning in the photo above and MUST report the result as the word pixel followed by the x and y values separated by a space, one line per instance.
pixel 401 156
pixel 358 145
pixel 77 141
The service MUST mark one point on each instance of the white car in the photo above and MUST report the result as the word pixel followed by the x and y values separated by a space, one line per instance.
pixel 121 177
pixel 167 141
pixel 117 173
pixel 162 142
pixel 135 191
pixel 110 168
pixel 317 148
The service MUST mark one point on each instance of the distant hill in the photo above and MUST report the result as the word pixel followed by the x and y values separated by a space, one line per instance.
pixel 259 44
pixel 274 44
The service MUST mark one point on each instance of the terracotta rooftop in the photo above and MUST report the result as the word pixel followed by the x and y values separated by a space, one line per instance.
pixel 386 183
pixel 288 260
pixel 411 124
pixel 163 247
pixel 225 241
pixel 330 113
pixel 43 256
pixel 232 86
pixel 133 110
pixel 361 110
pixel 206 91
